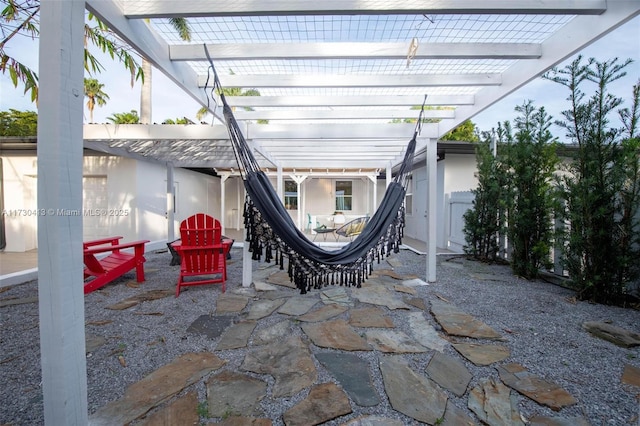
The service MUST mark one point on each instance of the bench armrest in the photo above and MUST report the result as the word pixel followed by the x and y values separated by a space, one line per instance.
pixel 109 240
pixel 107 248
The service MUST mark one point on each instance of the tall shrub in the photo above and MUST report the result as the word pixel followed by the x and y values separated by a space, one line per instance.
pixel 595 251
pixel 532 162
pixel 630 193
pixel 483 223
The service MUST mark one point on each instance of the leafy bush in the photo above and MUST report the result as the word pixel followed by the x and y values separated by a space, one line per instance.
pixel 532 162
pixel 484 223
pixel 602 187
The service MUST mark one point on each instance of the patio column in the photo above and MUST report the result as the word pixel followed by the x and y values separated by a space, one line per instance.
pixel 388 175
pixel 60 265
pixel 432 197
pixel 374 182
pixel 280 184
pixel 299 180
pixel 223 197
pixel 170 203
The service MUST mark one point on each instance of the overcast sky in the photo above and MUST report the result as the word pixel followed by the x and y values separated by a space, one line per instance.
pixel 170 102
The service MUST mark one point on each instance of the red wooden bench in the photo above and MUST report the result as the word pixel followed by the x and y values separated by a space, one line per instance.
pixel 117 263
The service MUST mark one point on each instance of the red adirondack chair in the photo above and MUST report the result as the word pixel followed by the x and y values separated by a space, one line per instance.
pixel 114 265
pixel 202 252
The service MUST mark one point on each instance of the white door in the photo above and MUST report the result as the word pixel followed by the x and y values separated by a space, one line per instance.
pixel 420 209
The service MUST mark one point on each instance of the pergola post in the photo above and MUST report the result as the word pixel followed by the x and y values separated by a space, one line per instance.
pixel 170 203
pixel 432 196
pixel 388 176
pixel 60 265
pixel 374 183
pixel 223 198
pixel 299 179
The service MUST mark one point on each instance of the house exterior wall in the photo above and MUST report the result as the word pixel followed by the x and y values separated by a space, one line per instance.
pixel 136 198
pixel 455 173
pixel 317 198
pixel 135 206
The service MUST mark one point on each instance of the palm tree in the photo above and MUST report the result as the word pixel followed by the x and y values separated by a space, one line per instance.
pixel 125 117
pixel 93 91
pixel 184 31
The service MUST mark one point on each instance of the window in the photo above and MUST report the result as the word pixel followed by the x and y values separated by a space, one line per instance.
pixel 290 195
pixel 344 192
pixel 408 198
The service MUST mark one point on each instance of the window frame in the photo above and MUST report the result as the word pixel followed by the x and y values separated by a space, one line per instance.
pixel 340 201
pixel 289 198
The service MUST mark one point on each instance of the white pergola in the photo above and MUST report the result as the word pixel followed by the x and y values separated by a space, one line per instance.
pixel 332 77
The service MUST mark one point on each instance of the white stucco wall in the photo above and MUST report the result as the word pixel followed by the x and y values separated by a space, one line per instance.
pixel 136 202
pixel 318 198
pixel 20 190
pixel 459 173
pixel 137 197
pixel 454 173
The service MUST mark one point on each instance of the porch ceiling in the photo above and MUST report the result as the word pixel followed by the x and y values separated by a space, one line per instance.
pixel 338 79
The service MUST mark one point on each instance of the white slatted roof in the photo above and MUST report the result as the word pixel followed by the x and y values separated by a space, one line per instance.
pixel 337 78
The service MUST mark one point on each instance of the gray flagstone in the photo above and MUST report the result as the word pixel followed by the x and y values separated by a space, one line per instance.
pixel 378 295
pixel 336 295
pixel 458 323
pixel 183 410
pixel 369 317
pixel 325 402
pixel 270 334
pixel 480 354
pixel 231 303
pixel 156 388
pixel 336 334
pixel 211 326
pixel 543 391
pixel 231 392
pixel 454 416
pixel 298 305
pixel 236 336
pixel 393 341
pixel 373 421
pixel 410 393
pixel 449 373
pixel 263 308
pixel 288 361
pixel 495 404
pixel 263 286
pixel 353 375
pixel 324 313
pixel 612 333
pixel 281 278
pixel 425 333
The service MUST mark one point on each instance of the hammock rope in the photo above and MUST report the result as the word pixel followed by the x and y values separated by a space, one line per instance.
pixel 272 234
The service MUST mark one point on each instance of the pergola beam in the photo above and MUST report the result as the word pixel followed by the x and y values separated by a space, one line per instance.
pixel 336 101
pixel 265 51
pixel 562 44
pixel 342 114
pixel 155 132
pixel 387 80
pixel 166 9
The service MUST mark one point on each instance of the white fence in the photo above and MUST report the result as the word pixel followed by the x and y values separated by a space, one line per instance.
pixel 456 205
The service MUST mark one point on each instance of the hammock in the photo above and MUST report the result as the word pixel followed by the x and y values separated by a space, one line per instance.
pixel 272 233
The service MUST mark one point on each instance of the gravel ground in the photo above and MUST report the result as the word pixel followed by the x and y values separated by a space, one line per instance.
pixel 541 323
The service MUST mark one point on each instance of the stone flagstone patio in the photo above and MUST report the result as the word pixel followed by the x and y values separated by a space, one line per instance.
pixel 333 328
